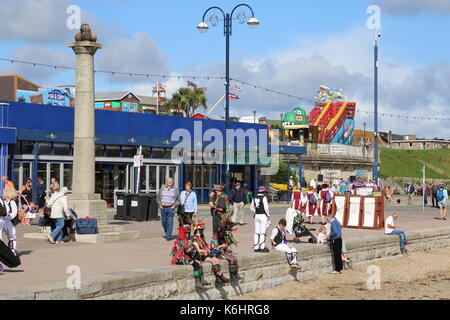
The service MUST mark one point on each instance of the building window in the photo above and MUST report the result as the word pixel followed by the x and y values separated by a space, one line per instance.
pixel 26 147
pixel 157 153
pixel 61 149
pixel 99 150
pixel 113 151
pixel 67 175
pixel 128 152
pixel 152 178
pixel 45 148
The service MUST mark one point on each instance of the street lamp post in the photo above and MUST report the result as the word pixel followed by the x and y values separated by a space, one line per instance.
pixel 364 139
pixel 254 116
pixel 376 166
pixel 252 22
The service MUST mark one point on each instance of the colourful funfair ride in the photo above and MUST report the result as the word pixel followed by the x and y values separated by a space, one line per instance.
pixel 328 122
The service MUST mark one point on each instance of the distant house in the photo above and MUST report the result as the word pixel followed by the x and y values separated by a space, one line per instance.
pixel 150 104
pixel 117 101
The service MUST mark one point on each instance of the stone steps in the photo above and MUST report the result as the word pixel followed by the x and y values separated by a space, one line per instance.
pixel 105 233
pixel 91 238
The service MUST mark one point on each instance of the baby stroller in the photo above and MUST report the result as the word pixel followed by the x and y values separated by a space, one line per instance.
pixel 300 230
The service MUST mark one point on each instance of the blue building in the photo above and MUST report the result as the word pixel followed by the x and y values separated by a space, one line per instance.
pixel 36 140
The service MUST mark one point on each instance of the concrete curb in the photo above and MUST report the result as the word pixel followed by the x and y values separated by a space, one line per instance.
pixel 260 271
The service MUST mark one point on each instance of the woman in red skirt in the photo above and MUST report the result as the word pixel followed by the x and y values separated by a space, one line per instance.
pixel 325 202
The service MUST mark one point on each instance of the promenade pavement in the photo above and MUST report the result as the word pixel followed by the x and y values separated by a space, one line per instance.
pixel 44 263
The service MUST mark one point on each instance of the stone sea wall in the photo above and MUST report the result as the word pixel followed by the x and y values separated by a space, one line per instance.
pixel 260 271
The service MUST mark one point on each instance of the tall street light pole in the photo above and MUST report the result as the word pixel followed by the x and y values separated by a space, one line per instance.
pixel 203 27
pixel 376 165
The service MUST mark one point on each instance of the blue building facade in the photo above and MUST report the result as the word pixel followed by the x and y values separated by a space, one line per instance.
pixel 37 140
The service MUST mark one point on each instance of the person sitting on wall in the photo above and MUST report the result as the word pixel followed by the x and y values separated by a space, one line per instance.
pixel 204 254
pixel 279 243
pixel 393 230
pixel 221 246
pixel 184 253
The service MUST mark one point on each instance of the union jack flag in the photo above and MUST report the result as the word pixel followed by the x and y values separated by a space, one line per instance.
pixel 233 96
pixel 191 84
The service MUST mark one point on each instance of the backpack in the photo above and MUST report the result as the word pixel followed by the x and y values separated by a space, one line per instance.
pixel 313 200
pixel 328 197
pixel 440 195
pixel 3 211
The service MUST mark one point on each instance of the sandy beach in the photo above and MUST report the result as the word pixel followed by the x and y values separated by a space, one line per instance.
pixel 420 276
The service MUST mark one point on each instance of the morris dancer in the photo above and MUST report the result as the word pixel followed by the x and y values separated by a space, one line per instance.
pixel 311 209
pixel 221 206
pixel 325 202
pixel 221 244
pixel 279 242
pixel 203 253
pixel 184 253
pixel 260 208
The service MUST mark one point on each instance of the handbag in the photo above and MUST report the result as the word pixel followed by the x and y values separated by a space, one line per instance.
pixel 180 209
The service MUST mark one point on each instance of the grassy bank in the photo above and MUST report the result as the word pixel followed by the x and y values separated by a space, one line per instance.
pixel 409 163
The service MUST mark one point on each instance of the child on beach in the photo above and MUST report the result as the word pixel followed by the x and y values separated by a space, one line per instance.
pixel 322 236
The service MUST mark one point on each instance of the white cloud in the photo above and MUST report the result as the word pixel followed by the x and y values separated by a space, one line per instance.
pixel 139 54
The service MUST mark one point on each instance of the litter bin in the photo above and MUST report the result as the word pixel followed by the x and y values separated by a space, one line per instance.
pixel 152 207
pixel 134 205
pixel 123 206
pixel 139 212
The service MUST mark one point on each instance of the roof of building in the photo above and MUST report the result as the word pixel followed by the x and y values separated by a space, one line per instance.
pixel 115 95
pixel 149 100
pixel 19 77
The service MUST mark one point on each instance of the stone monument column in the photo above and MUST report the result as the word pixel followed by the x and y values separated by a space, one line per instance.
pixel 84 200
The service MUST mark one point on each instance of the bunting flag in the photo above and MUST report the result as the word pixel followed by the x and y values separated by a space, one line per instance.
pixel 236 88
pixel 159 88
pixel 233 96
pixel 191 84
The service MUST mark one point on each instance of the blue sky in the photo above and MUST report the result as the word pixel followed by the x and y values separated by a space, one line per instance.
pixel 298 46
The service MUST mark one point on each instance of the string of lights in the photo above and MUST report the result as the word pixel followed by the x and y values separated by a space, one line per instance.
pixel 241 82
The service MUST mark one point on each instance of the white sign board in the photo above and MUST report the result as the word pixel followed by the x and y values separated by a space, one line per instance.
pixel 138 161
pixel 338 150
pixel 353 214
pixel 369 212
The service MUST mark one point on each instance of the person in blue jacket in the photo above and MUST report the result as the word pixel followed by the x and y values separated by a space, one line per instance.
pixel 335 242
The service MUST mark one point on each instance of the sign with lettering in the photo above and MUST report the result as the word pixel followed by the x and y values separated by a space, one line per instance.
pixel 56 95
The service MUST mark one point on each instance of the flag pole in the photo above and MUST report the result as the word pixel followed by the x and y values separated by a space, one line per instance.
pixel 217 103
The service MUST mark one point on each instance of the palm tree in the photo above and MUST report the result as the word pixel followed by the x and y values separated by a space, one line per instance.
pixel 186 101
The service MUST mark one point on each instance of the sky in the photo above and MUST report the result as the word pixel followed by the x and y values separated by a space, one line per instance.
pixel 300 45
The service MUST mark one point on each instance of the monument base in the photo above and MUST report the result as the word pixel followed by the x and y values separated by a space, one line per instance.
pixel 89 206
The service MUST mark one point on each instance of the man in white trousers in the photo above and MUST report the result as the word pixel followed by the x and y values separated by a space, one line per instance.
pixel 260 208
pixel 279 242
